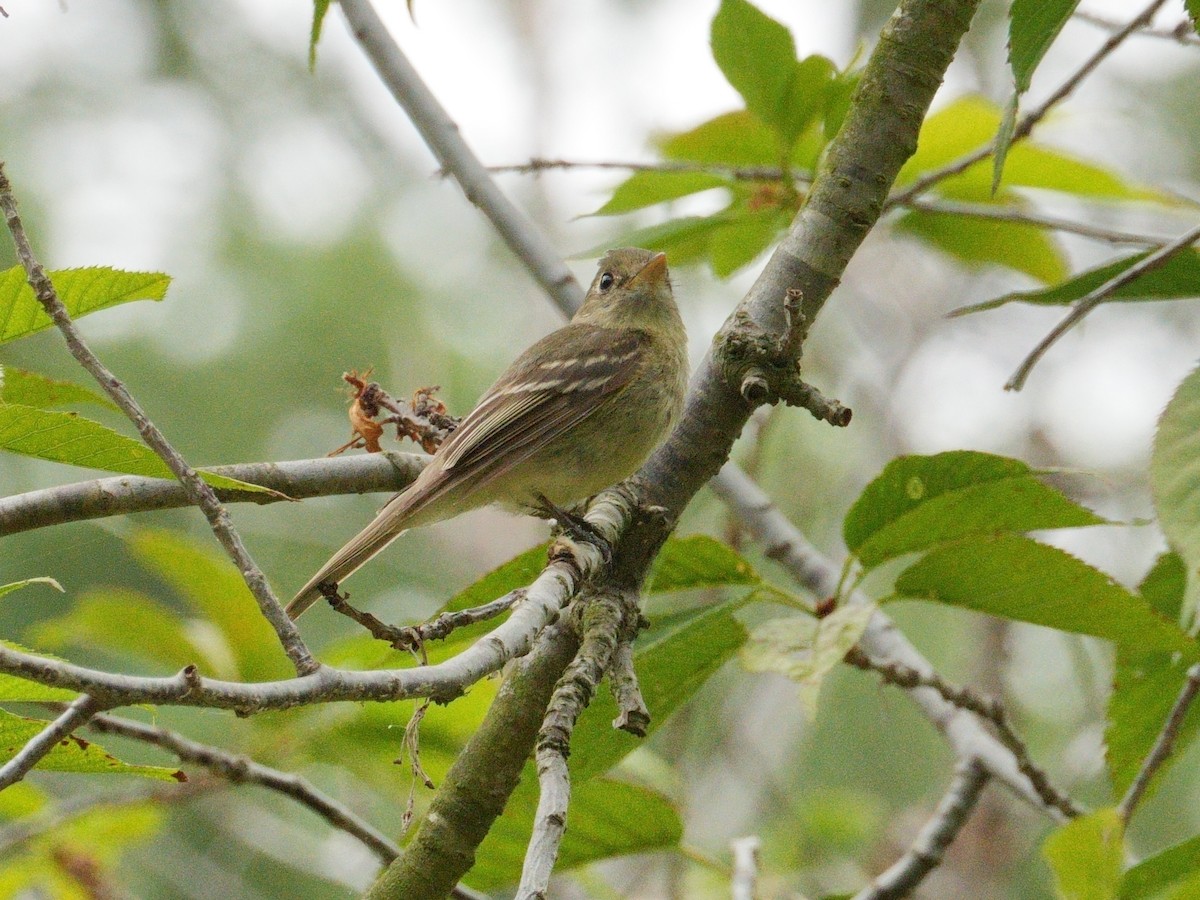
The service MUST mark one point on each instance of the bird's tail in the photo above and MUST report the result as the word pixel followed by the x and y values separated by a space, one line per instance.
pixel 386 527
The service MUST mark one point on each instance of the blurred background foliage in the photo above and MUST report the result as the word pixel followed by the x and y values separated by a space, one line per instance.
pixel 307 234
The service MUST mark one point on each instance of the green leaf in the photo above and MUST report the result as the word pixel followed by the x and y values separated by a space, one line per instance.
pixel 105 831
pixel 744 239
pixel 607 818
pixel 14 689
pixel 31 389
pixel 72 754
pixel 1176 279
pixel 1175 480
pixel 209 582
pixel 730 139
pixel 806 649
pixel 65 437
pixel 1193 11
pixel 976 240
pixel 320 8
pixel 1176 867
pixel 130 624
pixel 1086 856
pixel 699 561
pixel 82 291
pixel 642 189
pixel 1145 687
pixel 684 240
pixel 1033 26
pixel 42 579
pixel 1018 578
pixel 758 57
pixel 1004 138
pixel 920 502
pixel 672 661
pixel 1165 585
pixel 972 122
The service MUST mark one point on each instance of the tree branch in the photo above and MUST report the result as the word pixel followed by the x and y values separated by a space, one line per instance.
pixel 1034 116
pixel 243 770
pixel 442 136
pixel 881 640
pixel 76 714
pixel 1086 304
pixel 939 832
pixel 197 490
pixel 124 494
pixel 609 514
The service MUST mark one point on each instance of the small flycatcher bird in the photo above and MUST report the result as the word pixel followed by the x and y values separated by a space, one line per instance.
pixel 577 412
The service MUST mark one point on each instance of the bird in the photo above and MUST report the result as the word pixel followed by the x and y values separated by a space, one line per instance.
pixel 577 412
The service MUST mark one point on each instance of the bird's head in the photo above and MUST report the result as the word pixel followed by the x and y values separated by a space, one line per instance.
pixel 631 290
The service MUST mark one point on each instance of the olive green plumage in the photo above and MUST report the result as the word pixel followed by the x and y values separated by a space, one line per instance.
pixel 577 412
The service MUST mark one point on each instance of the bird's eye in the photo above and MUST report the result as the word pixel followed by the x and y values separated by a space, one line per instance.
pixel 606 281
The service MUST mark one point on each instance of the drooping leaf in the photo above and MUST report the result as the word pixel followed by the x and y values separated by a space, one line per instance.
pixel 1176 279
pixel 920 502
pixel 1018 578
pixel 212 586
pixel 806 649
pixel 606 818
pixel 744 239
pixel 320 8
pixel 1004 139
pixel 976 240
pixel 82 291
pixel 1086 856
pixel 758 57
pixel 642 189
pixel 1177 869
pixel 67 438
pixel 1032 27
pixel 1175 481
pixel 41 579
pixel 72 754
pixel 31 389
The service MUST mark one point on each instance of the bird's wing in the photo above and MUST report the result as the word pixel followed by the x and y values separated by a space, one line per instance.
pixel 542 396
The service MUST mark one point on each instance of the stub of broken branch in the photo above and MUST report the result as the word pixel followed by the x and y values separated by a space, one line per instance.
pixel 760 367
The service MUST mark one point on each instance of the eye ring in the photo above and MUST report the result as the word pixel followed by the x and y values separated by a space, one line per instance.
pixel 606 282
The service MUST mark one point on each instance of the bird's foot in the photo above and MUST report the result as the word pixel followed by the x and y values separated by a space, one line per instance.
pixel 576 527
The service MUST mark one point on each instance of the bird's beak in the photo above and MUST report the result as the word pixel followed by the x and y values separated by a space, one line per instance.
pixel 652 272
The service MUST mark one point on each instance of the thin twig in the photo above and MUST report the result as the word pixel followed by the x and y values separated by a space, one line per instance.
pixel 1183 33
pixel 744 883
pixel 1163 745
pixel 243 770
pixel 928 850
pixel 1027 122
pixel 989 708
pixel 442 136
pixel 737 173
pixel 882 640
pixel 76 714
pixel 198 491
pixel 1024 217
pixel 1087 303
